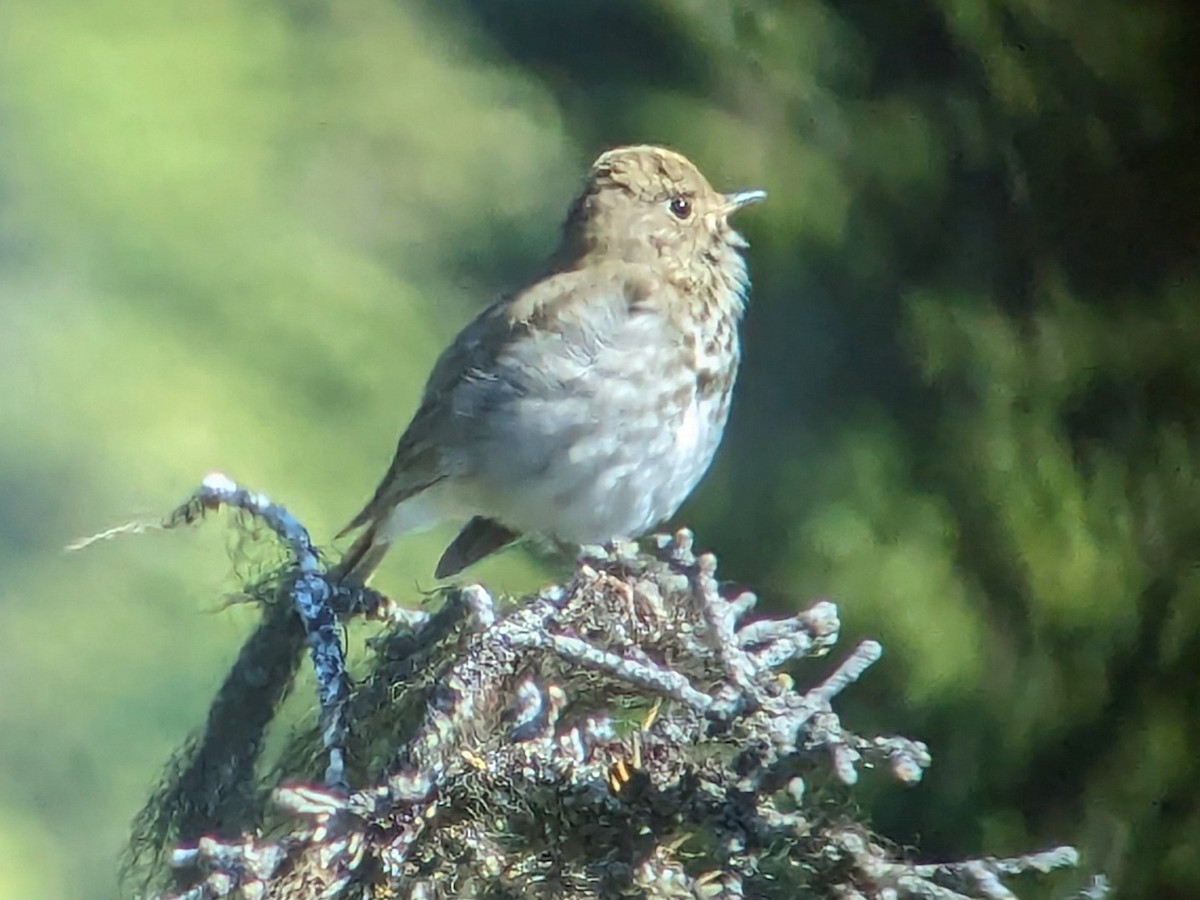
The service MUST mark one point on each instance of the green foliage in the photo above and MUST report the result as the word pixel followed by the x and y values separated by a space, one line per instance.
pixel 236 237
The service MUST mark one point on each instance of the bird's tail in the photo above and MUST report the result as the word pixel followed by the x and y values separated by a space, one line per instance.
pixel 361 559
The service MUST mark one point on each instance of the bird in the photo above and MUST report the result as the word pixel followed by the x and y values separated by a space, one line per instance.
pixel 586 406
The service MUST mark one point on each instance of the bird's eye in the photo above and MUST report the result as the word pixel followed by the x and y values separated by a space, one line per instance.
pixel 681 207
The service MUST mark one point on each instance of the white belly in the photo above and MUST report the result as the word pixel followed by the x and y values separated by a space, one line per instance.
pixel 620 487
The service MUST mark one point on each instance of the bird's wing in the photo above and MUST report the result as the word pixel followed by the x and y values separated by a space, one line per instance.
pixel 415 465
pixel 479 538
pixel 576 306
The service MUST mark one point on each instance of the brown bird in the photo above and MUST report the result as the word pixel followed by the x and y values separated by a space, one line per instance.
pixel 587 406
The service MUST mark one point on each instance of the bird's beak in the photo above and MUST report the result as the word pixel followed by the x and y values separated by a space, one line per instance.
pixel 738 199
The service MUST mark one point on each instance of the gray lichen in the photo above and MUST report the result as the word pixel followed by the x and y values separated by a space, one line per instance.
pixel 630 733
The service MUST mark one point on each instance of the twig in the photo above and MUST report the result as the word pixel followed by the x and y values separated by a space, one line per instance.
pixel 511 767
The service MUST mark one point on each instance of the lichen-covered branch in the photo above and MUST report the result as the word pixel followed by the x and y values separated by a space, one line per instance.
pixel 630 732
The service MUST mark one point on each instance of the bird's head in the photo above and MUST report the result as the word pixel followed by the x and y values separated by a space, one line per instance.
pixel 650 205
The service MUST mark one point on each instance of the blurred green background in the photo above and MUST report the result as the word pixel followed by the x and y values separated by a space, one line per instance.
pixel 235 236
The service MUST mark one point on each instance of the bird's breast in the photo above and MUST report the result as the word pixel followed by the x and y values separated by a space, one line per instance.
pixel 607 439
